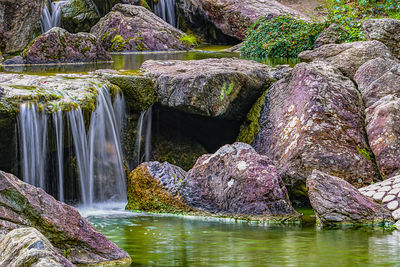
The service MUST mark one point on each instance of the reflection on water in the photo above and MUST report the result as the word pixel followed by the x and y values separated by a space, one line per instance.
pixel 175 241
pixel 133 61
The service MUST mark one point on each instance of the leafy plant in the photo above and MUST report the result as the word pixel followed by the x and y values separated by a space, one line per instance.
pixel 189 40
pixel 226 91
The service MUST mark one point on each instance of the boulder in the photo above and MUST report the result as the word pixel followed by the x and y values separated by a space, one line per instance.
pixel 19 20
pixel 386 30
pixel 331 35
pixel 211 87
pixel 79 15
pixel 59 46
pixel 28 247
pixel 386 193
pixel 336 202
pixel 135 28
pixel 23 205
pixel 155 186
pixel 237 181
pixel 314 119
pixel 17 60
pixel 234 17
pixel 348 57
pixel 379 82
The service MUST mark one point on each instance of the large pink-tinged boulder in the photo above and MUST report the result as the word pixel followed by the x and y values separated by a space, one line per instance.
pixel 23 205
pixel 314 119
pixel 135 28
pixel 60 46
pixel 237 181
pixel 379 82
pixel 335 201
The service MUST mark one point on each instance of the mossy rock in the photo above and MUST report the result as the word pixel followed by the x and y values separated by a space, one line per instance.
pixel 146 193
pixel 79 16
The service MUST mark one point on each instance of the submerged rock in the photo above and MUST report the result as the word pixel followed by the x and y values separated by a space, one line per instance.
pixel 386 30
pixel 134 28
pixel 348 57
pixel 313 119
pixel 79 15
pixel 335 201
pixel 19 20
pixel 28 247
pixel 387 193
pixel 211 87
pixel 234 17
pixel 237 181
pixel 59 46
pixel 23 205
pixel 379 82
pixel 155 186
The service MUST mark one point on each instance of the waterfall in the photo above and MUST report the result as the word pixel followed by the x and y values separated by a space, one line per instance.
pixel 33 143
pixel 144 131
pixel 51 16
pixel 98 152
pixel 165 9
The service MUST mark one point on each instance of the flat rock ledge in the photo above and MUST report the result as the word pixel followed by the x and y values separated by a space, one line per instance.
pixel 336 202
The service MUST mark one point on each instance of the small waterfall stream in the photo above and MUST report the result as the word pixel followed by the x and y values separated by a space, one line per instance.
pixel 165 9
pixel 98 152
pixel 51 16
pixel 144 132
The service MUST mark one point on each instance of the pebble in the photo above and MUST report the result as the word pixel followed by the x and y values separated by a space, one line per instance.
pixel 393 205
pixel 388 198
pixel 379 195
pixel 396 214
pixel 384 189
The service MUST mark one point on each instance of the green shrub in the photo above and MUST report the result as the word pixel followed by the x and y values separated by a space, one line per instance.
pixel 282 36
pixel 189 40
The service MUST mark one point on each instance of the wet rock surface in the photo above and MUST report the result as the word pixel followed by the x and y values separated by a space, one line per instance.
pixel 314 119
pixel 385 30
pixel 210 87
pixel 155 186
pixel 348 57
pixel 237 181
pixel 23 205
pixel 335 201
pixel 60 46
pixel 28 247
pixel 379 82
pixel 79 15
pixel 135 28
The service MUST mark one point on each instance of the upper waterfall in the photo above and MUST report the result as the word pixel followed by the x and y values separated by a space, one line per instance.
pixel 51 16
pixel 165 9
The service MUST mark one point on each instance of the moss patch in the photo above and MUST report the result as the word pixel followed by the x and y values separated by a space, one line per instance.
pixel 250 128
pixel 147 194
pixel 364 152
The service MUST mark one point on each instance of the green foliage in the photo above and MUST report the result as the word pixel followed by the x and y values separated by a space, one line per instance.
pixel 226 91
pixel 282 36
pixel 189 40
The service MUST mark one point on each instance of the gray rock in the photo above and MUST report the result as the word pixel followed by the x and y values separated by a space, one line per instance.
pixel 348 57
pixel 332 35
pixel 237 181
pixel 211 87
pixel 18 60
pixel 386 30
pixel 336 202
pixel 134 28
pixel 314 119
pixel 28 247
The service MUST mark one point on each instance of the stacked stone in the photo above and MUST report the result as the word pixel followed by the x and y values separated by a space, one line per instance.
pixel 386 192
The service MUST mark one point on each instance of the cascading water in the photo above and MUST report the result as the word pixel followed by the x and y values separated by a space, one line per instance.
pixel 165 9
pixel 33 144
pixel 144 132
pixel 51 16
pixel 98 152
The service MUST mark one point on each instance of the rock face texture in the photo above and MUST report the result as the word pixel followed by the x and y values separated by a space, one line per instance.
pixel 28 247
pixel 348 57
pixel 60 46
pixel 313 119
pixel 134 28
pixel 23 205
pixel 385 30
pixel 155 186
pixel 379 82
pixel 335 201
pixel 210 87
pixel 237 180
pixel 234 17
pixel 18 22
pixel 79 15
pixel 330 36
pixel 387 193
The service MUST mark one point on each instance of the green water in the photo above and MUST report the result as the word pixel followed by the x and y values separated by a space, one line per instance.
pixel 177 241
